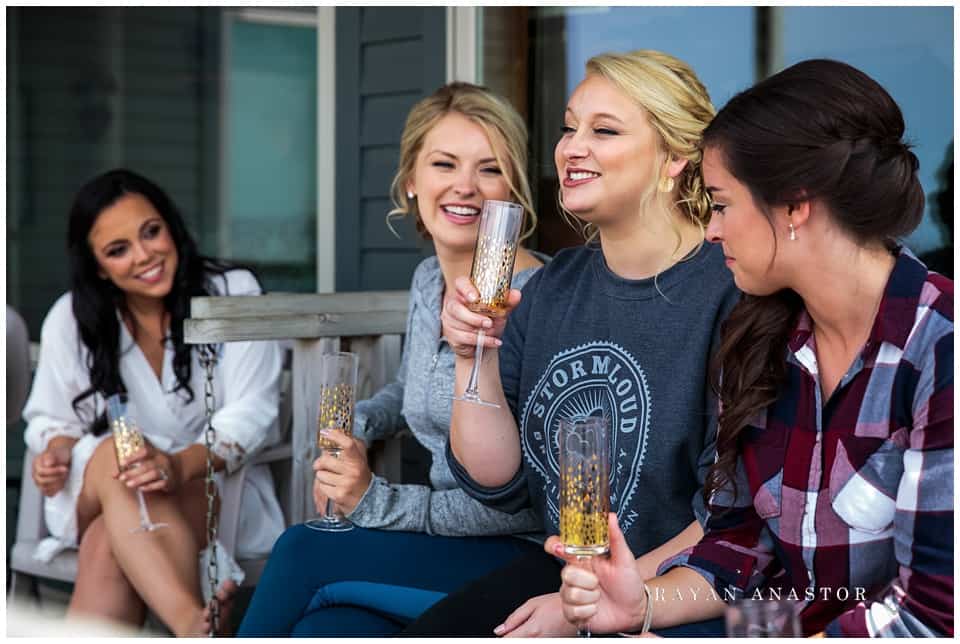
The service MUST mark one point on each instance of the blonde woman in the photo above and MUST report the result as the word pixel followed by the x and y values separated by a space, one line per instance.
pixel 414 543
pixel 633 317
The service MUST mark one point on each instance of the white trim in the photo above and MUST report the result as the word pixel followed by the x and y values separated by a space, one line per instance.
pixel 287 16
pixel 463 64
pixel 326 150
pixel 224 232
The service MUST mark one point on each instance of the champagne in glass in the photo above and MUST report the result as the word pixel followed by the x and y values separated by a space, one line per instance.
pixel 338 386
pixel 127 441
pixel 584 489
pixel 492 273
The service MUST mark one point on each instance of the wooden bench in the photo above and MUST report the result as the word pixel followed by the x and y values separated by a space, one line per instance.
pixel 370 324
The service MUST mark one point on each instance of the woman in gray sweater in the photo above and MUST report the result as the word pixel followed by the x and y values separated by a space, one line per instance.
pixel 413 543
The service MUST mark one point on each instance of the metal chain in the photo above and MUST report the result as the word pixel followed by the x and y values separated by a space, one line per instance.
pixel 208 360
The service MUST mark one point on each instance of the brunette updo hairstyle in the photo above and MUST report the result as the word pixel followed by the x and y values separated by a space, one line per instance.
pixel 819 130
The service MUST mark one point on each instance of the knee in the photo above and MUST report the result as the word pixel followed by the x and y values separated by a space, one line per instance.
pixel 294 543
pixel 103 461
pixel 95 556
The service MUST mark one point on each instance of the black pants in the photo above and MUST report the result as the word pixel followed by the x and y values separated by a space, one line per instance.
pixel 482 605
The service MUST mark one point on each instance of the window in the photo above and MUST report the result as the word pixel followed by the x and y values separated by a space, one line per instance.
pixel 907 49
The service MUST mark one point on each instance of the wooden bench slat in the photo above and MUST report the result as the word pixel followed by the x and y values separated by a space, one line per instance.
pixel 277 327
pixel 284 304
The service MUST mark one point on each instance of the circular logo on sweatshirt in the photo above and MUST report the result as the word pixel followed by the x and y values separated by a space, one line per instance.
pixel 595 379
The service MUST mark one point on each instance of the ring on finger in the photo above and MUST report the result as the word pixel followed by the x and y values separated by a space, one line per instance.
pixel 164 475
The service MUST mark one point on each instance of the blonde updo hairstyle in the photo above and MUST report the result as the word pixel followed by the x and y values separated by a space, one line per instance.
pixel 503 126
pixel 678 108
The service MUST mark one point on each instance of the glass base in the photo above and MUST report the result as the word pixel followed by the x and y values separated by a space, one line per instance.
pixel 587 551
pixel 470 397
pixel 329 524
pixel 149 527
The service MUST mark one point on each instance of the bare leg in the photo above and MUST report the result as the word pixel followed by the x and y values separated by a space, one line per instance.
pixel 160 565
pixel 101 588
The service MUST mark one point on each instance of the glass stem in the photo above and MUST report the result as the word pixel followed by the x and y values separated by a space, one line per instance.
pixel 330 514
pixel 144 517
pixel 583 629
pixel 475 372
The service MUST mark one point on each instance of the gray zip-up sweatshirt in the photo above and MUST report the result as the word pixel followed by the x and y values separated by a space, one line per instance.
pixel 421 396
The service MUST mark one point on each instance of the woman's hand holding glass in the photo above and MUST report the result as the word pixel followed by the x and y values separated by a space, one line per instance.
pixel 342 478
pixel 609 593
pixel 150 470
pixel 51 467
pixel 459 325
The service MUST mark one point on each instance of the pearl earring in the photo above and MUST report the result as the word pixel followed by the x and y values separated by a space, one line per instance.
pixel 793 232
pixel 410 194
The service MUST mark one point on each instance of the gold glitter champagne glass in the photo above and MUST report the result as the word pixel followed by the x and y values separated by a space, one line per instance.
pixel 128 440
pixel 338 386
pixel 584 489
pixel 492 273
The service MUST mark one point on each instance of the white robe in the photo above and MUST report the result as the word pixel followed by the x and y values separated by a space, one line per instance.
pixel 246 386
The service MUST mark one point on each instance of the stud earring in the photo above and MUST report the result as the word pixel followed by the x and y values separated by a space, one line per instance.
pixel 410 194
pixel 666 184
pixel 793 232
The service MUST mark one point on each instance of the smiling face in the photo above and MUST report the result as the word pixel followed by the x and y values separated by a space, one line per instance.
pixel 456 170
pixel 607 156
pixel 749 240
pixel 132 245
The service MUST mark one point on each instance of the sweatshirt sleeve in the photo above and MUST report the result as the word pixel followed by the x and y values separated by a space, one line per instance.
pixel 514 496
pixel 711 405
pixel 417 508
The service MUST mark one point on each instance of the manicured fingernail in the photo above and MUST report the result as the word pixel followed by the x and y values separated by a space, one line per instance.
pixel 471 297
pixel 498 342
pixel 487 323
pixel 324 432
pixel 499 630
pixel 558 550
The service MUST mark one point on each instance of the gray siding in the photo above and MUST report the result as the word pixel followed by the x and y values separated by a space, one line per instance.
pixel 387 60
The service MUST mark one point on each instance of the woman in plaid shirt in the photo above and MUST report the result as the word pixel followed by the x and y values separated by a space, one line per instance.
pixel 841 355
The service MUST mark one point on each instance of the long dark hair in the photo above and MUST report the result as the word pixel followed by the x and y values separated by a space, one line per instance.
pixel 95 300
pixel 823 130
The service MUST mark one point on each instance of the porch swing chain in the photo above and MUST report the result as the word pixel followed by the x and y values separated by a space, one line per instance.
pixel 208 360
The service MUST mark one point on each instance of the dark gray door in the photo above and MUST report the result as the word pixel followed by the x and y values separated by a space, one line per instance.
pixel 387 58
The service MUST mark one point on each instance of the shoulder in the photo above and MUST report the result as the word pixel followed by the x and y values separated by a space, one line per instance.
pixel 59 334
pixel 236 281
pixel 715 279
pixel 566 263
pixel 60 319
pixel 425 272
pixel 522 277
pixel 930 341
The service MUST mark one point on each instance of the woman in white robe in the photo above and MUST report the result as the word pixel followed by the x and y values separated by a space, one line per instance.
pixel 133 260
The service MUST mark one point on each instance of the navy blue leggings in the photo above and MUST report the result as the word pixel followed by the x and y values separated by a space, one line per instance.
pixel 365 582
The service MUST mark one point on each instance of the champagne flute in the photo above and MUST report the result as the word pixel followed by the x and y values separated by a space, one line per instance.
pixel 128 440
pixel 584 489
pixel 748 617
pixel 492 273
pixel 338 386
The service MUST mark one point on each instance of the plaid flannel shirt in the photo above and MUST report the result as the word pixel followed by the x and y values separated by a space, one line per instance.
pixel 847 504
